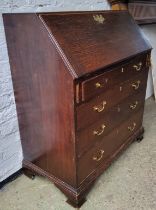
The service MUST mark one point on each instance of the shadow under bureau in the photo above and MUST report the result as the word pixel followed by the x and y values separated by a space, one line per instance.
pixel 79 81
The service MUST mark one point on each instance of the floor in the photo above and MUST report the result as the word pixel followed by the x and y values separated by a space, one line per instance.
pixel 129 184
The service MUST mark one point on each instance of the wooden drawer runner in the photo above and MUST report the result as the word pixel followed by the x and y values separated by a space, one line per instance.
pixel 107 147
pixel 102 82
pixel 97 107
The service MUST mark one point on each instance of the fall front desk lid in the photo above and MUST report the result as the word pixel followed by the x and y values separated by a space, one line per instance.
pixel 89 41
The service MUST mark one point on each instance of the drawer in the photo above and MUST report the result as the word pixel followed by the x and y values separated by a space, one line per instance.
pixel 97 131
pixel 100 153
pixel 102 82
pixel 90 112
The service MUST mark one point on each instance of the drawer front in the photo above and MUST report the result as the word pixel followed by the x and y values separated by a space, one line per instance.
pixel 108 146
pixel 91 111
pixel 97 131
pixel 102 82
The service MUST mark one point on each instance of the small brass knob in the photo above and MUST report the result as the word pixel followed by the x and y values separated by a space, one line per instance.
pixel 98 85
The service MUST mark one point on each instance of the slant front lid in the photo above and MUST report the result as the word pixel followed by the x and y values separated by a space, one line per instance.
pixel 93 40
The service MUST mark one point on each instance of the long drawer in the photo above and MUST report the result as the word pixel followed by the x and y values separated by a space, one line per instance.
pixel 108 146
pixel 98 130
pixel 102 82
pixel 91 111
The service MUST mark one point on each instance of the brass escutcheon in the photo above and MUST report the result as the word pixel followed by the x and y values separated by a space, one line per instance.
pixel 99 18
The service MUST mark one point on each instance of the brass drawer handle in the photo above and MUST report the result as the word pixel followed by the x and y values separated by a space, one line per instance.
pixel 131 128
pixel 99 156
pixel 136 85
pixel 133 106
pixel 98 85
pixel 100 109
pixel 99 133
pixel 138 66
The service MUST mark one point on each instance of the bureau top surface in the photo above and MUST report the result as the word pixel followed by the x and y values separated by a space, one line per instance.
pixel 94 40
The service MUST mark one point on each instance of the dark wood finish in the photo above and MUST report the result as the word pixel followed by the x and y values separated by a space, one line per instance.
pixel 109 145
pixel 92 39
pixel 119 113
pixel 39 79
pixel 56 59
pixel 112 77
pixel 112 101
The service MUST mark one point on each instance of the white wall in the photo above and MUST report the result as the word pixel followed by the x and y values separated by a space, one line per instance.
pixel 150 33
pixel 10 146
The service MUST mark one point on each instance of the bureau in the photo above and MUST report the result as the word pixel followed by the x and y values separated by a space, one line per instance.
pixel 79 80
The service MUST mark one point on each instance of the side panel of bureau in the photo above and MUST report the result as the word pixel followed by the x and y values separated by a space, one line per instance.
pixel 44 97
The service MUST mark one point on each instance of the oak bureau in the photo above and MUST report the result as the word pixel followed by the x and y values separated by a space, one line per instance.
pixel 79 80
